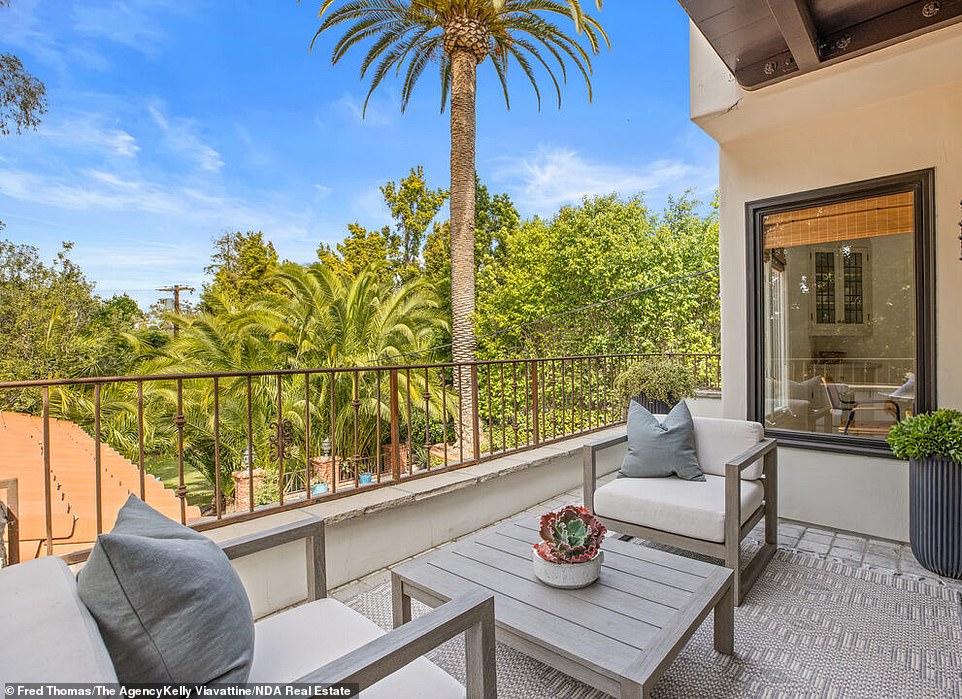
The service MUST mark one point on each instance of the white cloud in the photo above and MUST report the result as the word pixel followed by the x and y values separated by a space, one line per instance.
pixel 97 192
pixel 323 190
pixel 22 28
pixel 181 137
pixel 130 23
pixel 133 234
pixel 88 131
pixel 353 107
pixel 551 177
pixel 101 190
pixel 368 207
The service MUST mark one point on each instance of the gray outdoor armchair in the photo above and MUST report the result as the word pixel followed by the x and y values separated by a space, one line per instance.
pixel 52 637
pixel 710 517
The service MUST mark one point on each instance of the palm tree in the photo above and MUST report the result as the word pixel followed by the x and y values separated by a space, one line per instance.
pixel 323 319
pixel 457 36
pixel 317 320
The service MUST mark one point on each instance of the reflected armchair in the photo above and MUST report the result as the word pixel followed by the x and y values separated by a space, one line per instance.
pixel 844 410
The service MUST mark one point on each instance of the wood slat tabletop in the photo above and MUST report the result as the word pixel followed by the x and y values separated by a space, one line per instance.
pixel 618 634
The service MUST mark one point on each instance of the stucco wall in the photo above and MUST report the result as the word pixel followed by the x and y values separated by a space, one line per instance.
pixel 895 111
pixel 382 533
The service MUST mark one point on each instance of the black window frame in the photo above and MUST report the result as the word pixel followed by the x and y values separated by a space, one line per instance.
pixel 922 184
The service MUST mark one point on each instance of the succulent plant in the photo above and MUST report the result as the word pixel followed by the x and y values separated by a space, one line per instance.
pixel 570 535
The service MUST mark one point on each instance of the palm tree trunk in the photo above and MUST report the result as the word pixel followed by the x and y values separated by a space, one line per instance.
pixel 463 87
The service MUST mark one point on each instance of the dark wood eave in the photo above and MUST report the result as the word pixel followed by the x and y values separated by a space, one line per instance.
pixel 767 41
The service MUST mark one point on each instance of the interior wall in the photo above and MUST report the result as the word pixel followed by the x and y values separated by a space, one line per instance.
pixel 889 307
pixel 811 133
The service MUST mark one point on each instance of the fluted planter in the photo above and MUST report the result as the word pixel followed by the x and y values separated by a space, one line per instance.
pixel 935 514
pixel 652 405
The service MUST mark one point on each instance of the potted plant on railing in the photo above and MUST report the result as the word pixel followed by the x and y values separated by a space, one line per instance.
pixel 932 444
pixel 656 382
pixel 569 554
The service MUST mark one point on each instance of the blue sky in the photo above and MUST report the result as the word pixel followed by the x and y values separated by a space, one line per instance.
pixel 172 121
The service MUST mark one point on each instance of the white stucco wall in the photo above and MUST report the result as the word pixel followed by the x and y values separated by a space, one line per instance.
pixel 894 111
pixel 380 533
pixel 390 524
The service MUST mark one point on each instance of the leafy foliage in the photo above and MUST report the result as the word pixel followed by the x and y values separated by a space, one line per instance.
pixel 317 319
pixel 658 378
pixel 570 535
pixel 394 253
pixel 362 249
pixel 243 267
pixel 606 248
pixel 410 35
pixel 928 435
pixel 23 98
pixel 413 205
pixel 53 326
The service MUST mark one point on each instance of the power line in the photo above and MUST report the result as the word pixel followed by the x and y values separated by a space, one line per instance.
pixel 175 289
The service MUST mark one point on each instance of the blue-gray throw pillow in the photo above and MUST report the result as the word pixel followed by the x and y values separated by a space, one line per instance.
pixel 661 449
pixel 168 603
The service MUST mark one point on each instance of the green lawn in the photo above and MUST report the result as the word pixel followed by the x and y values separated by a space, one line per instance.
pixel 199 491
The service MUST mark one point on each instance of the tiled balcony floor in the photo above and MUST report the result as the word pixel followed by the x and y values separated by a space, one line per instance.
pixel 834 614
pixel 830 544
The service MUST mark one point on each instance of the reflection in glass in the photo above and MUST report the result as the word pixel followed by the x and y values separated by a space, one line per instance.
pixel 839 304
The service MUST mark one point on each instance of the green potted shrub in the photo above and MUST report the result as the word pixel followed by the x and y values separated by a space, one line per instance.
pixel 657 382
pixel 932 444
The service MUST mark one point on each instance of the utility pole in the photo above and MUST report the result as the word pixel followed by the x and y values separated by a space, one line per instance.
pixel 175 290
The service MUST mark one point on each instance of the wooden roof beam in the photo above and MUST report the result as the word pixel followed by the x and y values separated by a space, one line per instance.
pixel 795 23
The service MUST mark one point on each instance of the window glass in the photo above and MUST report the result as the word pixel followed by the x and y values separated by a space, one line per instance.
pixel 839 331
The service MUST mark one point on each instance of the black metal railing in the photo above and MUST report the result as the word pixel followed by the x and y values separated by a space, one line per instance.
pixel 234 445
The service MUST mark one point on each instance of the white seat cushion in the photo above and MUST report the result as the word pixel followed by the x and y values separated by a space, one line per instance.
pixel 49 636
pixel 688 508
pixel 718 441
pixel 295 642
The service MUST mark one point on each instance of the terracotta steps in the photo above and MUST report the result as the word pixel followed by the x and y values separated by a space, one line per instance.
pixel 73 483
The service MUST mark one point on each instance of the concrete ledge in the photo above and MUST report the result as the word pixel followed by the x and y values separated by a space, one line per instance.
pixel 377 528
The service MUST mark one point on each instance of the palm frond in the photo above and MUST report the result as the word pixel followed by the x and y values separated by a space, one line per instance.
pixel 404 37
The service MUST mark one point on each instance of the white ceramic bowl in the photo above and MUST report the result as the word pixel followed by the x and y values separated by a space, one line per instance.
pixel 568 576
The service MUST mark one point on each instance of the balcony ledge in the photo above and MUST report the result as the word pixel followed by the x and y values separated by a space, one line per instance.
pixel 372 530
pixel 442 483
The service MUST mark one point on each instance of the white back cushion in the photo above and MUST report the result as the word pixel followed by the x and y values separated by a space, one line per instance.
pixel 718 441
pixel 51 637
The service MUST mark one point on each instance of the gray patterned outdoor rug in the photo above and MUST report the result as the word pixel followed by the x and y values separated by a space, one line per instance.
pixel 809 628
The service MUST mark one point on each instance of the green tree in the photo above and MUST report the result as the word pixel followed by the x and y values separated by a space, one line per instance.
pixel 46 311
pixel 319 319
pixel 53 326
pixel 23 98
pixel 360 250
pixel 459 35
pixel 413 205
pixel 605 248
pixel 243 266
pixel 395 254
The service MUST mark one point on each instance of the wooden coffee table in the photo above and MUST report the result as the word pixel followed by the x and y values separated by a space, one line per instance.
pixel 618 635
